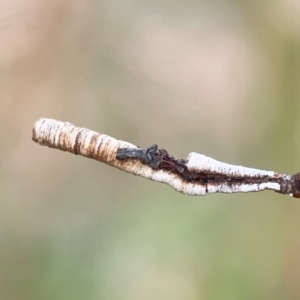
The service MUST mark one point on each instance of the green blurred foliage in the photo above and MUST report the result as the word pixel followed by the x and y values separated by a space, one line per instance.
pixel 216 77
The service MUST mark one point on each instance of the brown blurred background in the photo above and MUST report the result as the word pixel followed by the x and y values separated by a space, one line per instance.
pixel 220 78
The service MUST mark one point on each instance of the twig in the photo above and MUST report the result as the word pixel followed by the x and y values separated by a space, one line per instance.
pixel 198 175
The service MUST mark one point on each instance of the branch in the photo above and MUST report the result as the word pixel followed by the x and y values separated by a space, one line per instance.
pixel 198 175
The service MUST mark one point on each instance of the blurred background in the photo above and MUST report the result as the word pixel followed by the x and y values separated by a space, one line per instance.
pixel 216 77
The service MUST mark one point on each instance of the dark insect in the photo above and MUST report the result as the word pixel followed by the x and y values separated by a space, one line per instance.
pixel 154 158
pixel 150 156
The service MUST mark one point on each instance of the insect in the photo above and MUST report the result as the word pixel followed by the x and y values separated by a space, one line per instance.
pixel 149 156
pixel 154 158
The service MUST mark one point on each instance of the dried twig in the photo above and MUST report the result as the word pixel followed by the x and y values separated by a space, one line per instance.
pixel 197 175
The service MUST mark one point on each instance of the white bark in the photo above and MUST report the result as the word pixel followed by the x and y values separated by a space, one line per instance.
pixel 101 147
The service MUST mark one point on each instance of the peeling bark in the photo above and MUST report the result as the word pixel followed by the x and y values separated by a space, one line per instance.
pixel 197 175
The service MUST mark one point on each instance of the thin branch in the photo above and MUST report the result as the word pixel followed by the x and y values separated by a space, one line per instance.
pixel 197 175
